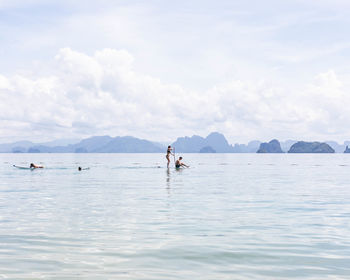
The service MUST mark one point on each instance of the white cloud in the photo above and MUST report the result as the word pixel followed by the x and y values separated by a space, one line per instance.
pixel 4 83
pixel 193 43
pixel 103 94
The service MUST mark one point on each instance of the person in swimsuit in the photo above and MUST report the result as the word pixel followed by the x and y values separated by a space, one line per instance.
pixel 178 163
pixel 32 165
pixel 81 169
pixel 168 153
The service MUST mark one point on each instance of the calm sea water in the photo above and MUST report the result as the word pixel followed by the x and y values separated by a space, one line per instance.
pixel 229 216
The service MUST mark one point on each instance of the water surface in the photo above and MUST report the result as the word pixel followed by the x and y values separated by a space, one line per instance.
pixel 229 216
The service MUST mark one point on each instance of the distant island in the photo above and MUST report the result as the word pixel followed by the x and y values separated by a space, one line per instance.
pixel 207 149
pixel 310 147
pixel 273 146
pixel 214 143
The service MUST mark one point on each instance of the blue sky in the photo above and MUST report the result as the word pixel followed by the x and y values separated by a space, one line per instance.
pixel 162 69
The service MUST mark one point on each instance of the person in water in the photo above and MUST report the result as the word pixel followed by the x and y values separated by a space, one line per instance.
pixel 81 169
pixel 168 153
pixel 32 165
pixel 178 163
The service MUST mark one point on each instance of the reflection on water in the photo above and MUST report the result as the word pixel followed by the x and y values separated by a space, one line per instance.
pixel 168 179
pixel 229 216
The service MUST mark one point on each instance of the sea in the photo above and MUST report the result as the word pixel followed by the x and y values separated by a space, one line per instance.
pixel 228 216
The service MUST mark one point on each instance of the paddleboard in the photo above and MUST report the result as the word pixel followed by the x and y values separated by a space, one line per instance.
pixel 22 167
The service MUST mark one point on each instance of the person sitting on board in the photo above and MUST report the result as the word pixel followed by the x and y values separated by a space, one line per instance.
pixel 168 153
pixel 178 163
pixel 32 165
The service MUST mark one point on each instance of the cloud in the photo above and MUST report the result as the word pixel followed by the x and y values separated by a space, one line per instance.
pixel 4 83
pixel 196 44
pixel 98 94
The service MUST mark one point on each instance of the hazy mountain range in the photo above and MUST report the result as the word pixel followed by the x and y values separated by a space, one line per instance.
pixel 214 142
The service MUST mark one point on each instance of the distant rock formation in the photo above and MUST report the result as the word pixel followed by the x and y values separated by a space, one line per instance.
pixel 273 146
pixel 347 150
pixel 251 147
pixel 189 144
pixel 254 145
pixel 338 148
pixel 285 145
pixel 207 149
pixel 19 146
pixel 195 143
pixel 128 144
pixel 18 150
pixel 33 150
pixel 218 142
pixel 88 145
pixel 80 150
pixel 100 144
pixel 310 147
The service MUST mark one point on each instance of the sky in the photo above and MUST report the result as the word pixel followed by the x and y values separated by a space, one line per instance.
pixel 163 69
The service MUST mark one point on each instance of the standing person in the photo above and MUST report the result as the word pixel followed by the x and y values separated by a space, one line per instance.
pixel 168 153
pixel 178 163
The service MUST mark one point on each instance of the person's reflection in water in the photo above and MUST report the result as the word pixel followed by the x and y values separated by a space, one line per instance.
pixel 168 180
